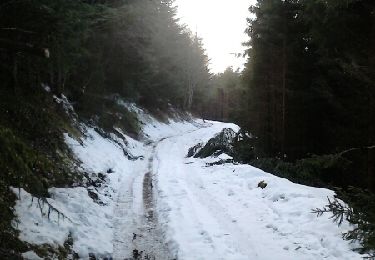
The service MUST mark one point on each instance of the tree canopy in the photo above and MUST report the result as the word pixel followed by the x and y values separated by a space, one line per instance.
pixel 310 75
pixel 133 48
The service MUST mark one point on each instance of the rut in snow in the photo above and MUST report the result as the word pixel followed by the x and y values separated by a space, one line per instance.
pixel 142 238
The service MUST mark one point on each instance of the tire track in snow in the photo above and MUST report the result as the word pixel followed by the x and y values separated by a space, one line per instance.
pixel 201 221
pixel 202 215
pixel 221 215
pixel 138 235
pixel 126 215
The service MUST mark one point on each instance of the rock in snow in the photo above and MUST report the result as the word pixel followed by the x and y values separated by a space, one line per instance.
pixel 185 209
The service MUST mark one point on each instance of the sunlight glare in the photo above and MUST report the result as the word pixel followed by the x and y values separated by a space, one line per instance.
pixel 221 24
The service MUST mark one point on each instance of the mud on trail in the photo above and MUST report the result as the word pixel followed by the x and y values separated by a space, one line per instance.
pixel 141 238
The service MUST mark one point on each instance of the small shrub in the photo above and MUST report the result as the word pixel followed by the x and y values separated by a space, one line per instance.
pixel 317 171
pixel 221 143
pixel 359 211
pixel 244 147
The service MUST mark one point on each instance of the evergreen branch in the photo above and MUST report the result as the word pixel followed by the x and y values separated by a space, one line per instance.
pixel 41 203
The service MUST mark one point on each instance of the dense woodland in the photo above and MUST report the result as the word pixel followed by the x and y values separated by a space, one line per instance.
pixel 310 82
pixel 311 76
pixel 307 93
pixel 308 86
pixel 133 48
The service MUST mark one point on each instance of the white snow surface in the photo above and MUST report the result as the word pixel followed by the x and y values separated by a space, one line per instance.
pixel 218 212
pixel 31 255
pixel 215 212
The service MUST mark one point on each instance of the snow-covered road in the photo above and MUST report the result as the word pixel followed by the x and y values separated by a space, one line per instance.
pixel 218 212
pixel 166 206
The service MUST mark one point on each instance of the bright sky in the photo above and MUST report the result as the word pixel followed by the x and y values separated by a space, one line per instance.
pixel 221 24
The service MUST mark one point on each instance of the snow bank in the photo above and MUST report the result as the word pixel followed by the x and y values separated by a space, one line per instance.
pixel 155 130
pixel 89 222
pixel 31 255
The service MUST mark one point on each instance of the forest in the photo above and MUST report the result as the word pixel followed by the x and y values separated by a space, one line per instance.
pixel 306 93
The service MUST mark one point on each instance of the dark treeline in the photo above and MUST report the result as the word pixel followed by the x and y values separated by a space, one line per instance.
pixel 310 85
pixel 223 97
pixel 310 101
pixel 87 49
pixel 311 76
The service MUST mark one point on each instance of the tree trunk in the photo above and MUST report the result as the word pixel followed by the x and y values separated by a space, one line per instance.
pixel 371 114
pixel 284 71
pixel 59 89
pixel 15 73
pixel 221 103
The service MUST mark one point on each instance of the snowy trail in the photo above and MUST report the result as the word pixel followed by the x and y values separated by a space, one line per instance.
pixel 167 206
pixel 127 214
pixel 218 212
pixel 209 220
pixel 137 231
